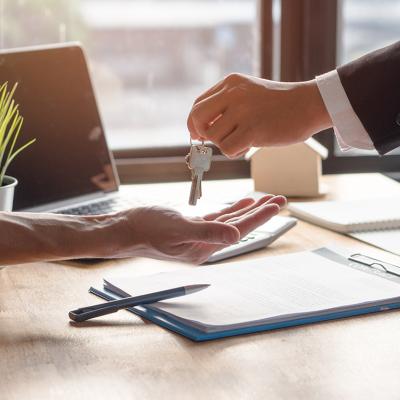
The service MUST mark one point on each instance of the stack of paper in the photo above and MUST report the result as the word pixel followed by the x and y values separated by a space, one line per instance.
pixel 291 289
pixel 374 221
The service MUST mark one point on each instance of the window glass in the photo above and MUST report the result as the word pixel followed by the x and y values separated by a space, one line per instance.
pixel 366 25
pixel 149 58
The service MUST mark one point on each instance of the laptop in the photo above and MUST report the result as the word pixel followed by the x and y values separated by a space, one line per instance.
pixel 70 168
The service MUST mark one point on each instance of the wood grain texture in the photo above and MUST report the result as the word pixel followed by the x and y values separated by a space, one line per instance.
pixel 120 356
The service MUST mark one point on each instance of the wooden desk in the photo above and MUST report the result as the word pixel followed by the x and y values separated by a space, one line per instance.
pixel 124 357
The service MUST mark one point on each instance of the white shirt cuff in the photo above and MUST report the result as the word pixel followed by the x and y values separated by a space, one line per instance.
pixel 348 128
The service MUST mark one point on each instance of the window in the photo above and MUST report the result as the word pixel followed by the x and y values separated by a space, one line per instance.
pixel 149 58
pixel 317 36
pixel 366 26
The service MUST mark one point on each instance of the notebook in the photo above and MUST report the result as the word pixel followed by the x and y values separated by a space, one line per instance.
pixel 262 294
pixel 374 221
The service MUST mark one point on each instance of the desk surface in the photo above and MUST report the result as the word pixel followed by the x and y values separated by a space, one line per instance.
pixel 121 356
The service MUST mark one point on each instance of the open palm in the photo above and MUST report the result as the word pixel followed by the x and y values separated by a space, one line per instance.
pixel 168 234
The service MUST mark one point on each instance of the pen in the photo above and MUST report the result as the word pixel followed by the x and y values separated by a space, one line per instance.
pixel 85 313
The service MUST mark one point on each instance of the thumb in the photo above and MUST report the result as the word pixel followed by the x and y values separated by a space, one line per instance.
pixel 212 232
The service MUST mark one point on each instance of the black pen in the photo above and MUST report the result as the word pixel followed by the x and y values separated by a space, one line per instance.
pixel 85 313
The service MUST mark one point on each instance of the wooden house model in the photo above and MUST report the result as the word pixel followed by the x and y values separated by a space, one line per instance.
pixel 293 170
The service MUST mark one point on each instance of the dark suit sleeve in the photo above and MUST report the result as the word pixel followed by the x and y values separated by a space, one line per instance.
pixel 372 84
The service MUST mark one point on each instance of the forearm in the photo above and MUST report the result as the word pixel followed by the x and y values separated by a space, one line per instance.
pixel 371 84
pixel 28 237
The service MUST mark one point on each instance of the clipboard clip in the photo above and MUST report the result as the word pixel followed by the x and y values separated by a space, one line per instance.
pixel 375 264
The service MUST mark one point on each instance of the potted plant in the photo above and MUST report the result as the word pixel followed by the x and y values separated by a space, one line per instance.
pixel 10 127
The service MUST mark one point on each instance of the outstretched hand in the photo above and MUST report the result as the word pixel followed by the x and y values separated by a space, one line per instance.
pixel 167 234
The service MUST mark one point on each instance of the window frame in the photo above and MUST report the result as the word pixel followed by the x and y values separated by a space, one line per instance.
pixel 300 39
pixel 167 164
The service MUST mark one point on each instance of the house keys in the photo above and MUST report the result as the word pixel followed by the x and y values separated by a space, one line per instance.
pixel 198 161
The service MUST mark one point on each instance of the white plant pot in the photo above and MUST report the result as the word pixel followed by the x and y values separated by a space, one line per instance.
pixel 7 193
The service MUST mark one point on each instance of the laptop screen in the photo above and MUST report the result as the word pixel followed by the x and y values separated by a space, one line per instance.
pixel 70 157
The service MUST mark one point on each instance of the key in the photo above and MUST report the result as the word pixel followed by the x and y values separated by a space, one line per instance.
pixel 199 161
pixel 193 196
pixel 193 193
pixel 195 189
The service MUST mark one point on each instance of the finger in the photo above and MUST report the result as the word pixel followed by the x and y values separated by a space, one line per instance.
pixel 245 215
pixel 211 232
pixel 243 203
pixel 207 111
pixel 193 133
pixel 213 89
pixel 221 127
pixel 229 81
pixel 191 128
pixel 260 216
pixel 236 142
pixel 237 213
pixel 242 153
pixel 280 201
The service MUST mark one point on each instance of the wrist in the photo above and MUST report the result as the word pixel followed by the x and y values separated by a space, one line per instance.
pixel 92 236
pixel 104 236
pixel 117 235
pixel 316 115
pixel 79 237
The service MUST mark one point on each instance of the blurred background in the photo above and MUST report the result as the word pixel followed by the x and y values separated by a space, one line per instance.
pixel 151 58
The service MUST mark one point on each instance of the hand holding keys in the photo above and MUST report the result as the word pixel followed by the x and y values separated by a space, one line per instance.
pixel 198 161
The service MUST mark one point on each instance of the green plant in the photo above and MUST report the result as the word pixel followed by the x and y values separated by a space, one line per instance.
pixel 10 127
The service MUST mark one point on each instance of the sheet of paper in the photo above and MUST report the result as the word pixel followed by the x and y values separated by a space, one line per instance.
pixel 263 288
pixel 387 240
pixel 351 211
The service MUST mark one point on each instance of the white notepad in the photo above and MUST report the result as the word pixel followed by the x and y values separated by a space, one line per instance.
pixel 263 291
pixel 375 221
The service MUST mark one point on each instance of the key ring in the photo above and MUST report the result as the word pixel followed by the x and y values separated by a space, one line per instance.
pixel 191 142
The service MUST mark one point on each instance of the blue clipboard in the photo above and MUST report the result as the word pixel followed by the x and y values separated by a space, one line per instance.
pixel 358 261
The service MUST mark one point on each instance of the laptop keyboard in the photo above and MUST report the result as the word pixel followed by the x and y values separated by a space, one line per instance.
pixel 99 207
pixel 111 205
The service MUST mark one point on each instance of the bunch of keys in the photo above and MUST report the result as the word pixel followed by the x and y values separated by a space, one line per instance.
pixel 198 161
